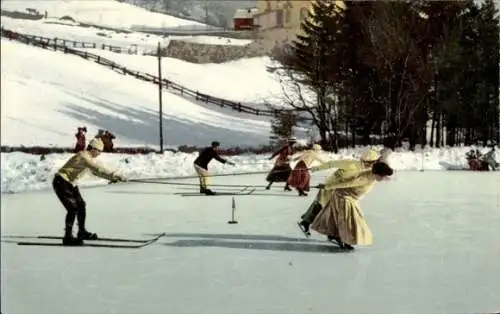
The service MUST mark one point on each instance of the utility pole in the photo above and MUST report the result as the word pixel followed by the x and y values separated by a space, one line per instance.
pixel 160 97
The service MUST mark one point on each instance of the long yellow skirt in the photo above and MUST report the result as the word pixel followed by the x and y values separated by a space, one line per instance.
pixel 342 217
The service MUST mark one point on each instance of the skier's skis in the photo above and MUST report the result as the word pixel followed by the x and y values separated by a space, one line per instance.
pixel 100 239
pixel 90 244
pixel 241 192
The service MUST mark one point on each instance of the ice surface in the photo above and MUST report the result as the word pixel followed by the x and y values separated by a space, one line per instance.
pixel 436 250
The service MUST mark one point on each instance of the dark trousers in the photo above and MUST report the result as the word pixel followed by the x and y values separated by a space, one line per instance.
pixel 312 212
pixel 72 200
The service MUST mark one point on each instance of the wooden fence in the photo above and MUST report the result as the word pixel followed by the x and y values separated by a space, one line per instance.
pixel 61 45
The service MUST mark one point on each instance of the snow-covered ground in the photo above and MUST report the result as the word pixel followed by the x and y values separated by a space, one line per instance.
pixel 24 172
pixel 436 250
pixel 107 13
pixel 144 42
pixel 245 80
pixel 46 95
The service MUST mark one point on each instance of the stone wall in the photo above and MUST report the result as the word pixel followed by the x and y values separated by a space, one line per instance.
pixel 205 53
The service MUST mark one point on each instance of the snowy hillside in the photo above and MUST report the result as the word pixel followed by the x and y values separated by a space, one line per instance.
pixel 106 13
pixel 214 12
pixel 47 94
pixel 52 28
pixel 245 80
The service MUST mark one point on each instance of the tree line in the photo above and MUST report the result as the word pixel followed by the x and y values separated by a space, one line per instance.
pixel 388 72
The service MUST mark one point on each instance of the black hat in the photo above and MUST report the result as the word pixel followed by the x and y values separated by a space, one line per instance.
pixel 215 144
pixel 382 169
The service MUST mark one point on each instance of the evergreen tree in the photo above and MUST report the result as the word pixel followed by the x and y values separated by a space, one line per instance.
pixel 312 58
pixel 282 126
pixel 488 89
pixel 444 28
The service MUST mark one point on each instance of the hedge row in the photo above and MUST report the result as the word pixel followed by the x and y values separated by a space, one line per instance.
pixel 41 150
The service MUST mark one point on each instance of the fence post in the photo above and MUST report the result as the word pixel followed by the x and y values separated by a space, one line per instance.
pixel 160 97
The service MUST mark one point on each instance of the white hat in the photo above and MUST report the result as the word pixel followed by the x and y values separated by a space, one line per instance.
pixel 371 155
pixel 96 143
pixel 317 147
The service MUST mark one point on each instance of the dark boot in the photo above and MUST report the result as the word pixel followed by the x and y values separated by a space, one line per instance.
pixel 85 235
pixel 304 226
pixel 69 240
pixel 301 192
pixel 340 243
pixel 287 188
pixel 208 192
pixel 269 185
pixel 311 212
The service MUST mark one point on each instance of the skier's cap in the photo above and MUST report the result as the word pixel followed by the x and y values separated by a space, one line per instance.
pixel 96 143
pixel 215 144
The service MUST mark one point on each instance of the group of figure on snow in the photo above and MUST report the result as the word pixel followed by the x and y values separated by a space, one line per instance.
pixel 335 211
pixel 479 162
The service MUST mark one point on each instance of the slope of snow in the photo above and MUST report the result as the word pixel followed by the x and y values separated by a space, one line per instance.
pixel 145 42
pixel 245 80
pixel 106 13
pixel 46 95
pixel 435 251
pixel 24 172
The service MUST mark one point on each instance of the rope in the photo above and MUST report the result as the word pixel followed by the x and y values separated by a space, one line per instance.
pixel 197 184
pixel 212 175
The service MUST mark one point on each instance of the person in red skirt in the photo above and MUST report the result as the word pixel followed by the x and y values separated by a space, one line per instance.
pixel 300 177
pixel 80 139
pixel 281 170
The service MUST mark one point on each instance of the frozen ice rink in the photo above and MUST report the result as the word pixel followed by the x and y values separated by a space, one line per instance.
pixel 436 250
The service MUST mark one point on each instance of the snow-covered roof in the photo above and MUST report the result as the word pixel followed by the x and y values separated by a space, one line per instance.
pixel 247 13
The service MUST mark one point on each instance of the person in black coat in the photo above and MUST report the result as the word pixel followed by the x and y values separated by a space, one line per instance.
pixel 201 165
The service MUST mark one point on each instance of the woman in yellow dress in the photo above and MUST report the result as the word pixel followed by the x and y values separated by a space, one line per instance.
pixel 341 218
pixel 346 168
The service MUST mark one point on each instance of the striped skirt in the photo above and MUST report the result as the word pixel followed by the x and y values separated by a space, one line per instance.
pixel 299 177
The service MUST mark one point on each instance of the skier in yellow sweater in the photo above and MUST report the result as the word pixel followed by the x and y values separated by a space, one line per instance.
pixel 67 191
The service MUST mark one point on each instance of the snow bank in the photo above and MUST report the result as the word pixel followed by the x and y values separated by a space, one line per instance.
pixel 23 172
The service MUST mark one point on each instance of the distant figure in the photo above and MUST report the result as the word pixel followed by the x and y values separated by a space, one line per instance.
pixel 80 139
pixel 100 133
pixel 489 159
pixel 201 166
pixel 107 139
